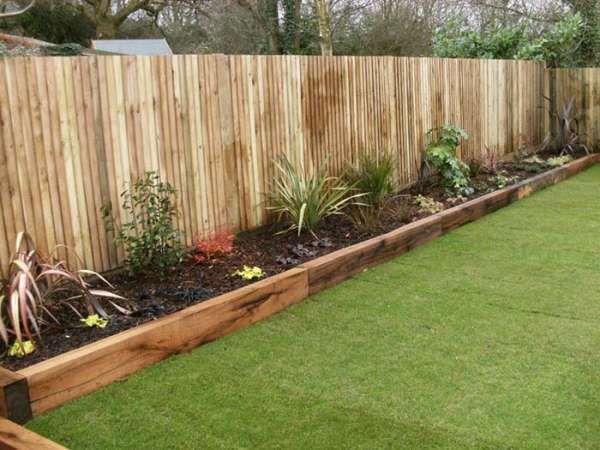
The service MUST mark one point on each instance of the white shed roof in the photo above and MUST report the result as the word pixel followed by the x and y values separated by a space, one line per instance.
pixel 144 47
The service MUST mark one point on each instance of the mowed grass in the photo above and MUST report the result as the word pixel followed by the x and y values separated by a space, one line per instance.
pixel 486 338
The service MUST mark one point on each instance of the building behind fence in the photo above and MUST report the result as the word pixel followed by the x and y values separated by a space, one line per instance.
pixel 75 131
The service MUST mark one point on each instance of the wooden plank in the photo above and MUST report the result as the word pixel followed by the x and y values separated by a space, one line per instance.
pixel 79 372
pixel 332 269
pixel 14 397
pixel 15 437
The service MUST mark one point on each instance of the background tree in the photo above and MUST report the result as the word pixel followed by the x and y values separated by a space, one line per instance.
pixel 107 16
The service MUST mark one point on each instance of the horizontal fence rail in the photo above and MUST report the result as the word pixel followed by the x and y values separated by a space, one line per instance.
pixel 75 131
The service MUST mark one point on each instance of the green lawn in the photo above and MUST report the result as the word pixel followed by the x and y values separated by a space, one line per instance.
pixel 486 338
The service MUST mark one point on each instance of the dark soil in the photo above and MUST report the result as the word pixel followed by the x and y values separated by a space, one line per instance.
pixel 152 297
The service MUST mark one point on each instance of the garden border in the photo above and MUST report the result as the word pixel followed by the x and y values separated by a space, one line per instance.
pixel 53 382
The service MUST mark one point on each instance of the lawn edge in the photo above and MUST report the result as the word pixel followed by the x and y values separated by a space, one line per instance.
pixel 58 380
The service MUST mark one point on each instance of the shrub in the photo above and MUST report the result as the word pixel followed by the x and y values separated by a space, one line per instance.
pixel 150 239
pixel 220 244
pixel 440 155
pixel 558 46
pixel 35 283
pixel 303 200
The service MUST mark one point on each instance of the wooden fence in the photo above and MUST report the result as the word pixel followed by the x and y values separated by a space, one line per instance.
pixel 584 85
pixel 74 131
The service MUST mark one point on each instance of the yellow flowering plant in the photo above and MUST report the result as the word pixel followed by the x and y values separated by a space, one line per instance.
pixel 250 273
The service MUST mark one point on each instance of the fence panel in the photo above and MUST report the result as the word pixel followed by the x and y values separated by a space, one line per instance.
pixel 75 131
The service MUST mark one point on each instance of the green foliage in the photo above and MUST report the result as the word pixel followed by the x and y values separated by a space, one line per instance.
pixel 502 179
pixel 440 155
pixel 58 22
pixel 373 177
pixel 21 349
pixel 149 237
pixel 557 46
pixel 558 161
pixel 94 320
pixel 304 200
pixel 428 205
pixel 250 273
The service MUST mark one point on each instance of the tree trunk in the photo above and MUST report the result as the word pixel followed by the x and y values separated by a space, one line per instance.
pixel 325 27
pixel 106 28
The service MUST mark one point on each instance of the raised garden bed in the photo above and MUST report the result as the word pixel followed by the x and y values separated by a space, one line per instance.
pixel 59 379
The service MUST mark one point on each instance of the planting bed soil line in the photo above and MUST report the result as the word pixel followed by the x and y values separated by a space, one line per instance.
pixel 59 379
pixel 153 297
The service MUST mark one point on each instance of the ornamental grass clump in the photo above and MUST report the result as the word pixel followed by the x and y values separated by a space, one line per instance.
pixel 373 177
pixel 302 200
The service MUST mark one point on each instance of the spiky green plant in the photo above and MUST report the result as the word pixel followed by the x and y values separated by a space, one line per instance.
pixel 302 200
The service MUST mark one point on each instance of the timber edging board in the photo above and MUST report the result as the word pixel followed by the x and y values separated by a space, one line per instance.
pixel 15 437
pixel 58 380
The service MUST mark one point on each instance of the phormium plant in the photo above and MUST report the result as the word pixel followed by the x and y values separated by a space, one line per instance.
pixel 566 138
pixel 150 238
pixel 304 200
pixel 34 284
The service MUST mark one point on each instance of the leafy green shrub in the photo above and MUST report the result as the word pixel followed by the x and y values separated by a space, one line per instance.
pixel 558 46
pixel 150 239
pixel 440 155
pixel 304 200
pixel 373 178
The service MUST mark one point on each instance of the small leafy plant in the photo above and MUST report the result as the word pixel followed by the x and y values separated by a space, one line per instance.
pixel 440 155
pixel 304 200
pixel 94 321
pixel 250 273
pixel 428 205
pixel 558 161
pixel 150 238
pixel 218 245
pixel 21 349
pixel 502 179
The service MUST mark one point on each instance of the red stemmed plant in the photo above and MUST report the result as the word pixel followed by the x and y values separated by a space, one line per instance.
pixel 217 245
